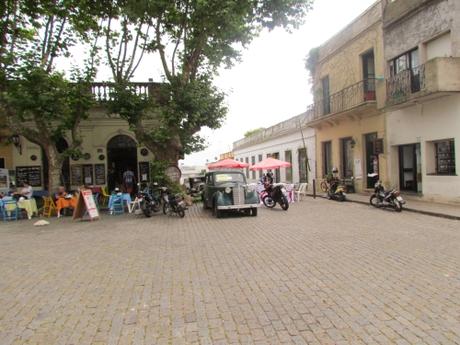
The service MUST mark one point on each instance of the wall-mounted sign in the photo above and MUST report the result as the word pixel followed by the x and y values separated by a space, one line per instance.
pixel 32 175
pixel 76 175
pixel 88 174
pixel 99 174
pixel 144 171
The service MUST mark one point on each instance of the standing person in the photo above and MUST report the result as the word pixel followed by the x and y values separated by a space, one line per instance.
pixel 128 181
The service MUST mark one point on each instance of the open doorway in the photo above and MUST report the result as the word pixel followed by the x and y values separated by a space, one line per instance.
pixel 409 168
pixel 121 156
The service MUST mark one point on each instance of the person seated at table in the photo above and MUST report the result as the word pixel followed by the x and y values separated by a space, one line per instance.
pixel 25 191
pixel 61 193
pixel 64 200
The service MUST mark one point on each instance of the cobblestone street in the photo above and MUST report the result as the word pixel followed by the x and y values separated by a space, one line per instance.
pixel 321 273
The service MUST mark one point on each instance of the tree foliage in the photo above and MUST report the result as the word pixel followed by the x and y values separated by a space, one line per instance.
pixel 192 39
pixel 36 101
pixel 253 131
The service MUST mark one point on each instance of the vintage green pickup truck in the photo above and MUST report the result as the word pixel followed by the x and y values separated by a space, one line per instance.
pixel 228 190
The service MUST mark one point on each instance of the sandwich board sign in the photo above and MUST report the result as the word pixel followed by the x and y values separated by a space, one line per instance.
pixel 86 205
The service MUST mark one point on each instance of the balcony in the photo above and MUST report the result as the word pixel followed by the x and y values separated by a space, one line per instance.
pixel 436 78
pixel 102 90
pixel 355 100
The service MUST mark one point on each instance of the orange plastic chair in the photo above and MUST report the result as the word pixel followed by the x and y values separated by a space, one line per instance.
pixel 49 207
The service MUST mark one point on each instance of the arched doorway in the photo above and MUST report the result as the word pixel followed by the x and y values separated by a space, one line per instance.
pixel 121 156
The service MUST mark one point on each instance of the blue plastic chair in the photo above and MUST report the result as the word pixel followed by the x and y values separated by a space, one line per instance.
pixel 10 210
pixel 117 205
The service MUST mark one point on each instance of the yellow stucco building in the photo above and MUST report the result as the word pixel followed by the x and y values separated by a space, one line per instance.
pixel 349 92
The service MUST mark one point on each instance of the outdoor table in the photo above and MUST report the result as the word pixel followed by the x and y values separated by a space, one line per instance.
pixel 65 203
pixel 126 197
pixel 29 205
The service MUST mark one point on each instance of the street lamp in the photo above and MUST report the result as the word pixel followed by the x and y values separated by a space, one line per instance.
pixel 16 140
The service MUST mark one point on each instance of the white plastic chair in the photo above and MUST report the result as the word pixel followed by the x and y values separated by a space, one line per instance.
pixel 303 187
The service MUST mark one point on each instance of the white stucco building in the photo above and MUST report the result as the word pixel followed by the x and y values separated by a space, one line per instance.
pixel 282 141
pixel 422 50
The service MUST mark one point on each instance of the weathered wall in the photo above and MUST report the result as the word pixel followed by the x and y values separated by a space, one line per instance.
pixel 418 27
pixel 6 152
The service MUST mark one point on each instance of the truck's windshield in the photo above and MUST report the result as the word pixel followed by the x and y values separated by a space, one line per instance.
pixel 229 177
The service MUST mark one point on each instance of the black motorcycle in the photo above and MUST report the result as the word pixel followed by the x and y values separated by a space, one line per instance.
pixel 382 198
pixel 275 194
pixel 148 201
pixel 336 191
pixel 173 203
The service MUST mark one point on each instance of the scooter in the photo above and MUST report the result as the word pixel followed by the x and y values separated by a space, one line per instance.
pixel 382 198
pixel 336 191
pixel 173 203
pixel 273 194
pixel 148 202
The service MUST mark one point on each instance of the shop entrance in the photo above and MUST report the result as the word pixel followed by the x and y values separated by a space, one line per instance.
pixel 372 160
pixel 409 168
pixel 121 156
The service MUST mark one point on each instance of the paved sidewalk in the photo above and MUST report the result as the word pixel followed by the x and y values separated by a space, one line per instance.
pixel 412 205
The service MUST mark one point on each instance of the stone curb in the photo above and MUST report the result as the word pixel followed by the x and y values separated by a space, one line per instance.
pixel 414 210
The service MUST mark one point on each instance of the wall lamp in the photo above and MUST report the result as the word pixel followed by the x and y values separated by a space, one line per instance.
pixel 16 140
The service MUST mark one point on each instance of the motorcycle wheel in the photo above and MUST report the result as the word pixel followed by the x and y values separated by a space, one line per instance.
pixel 324 186
pixel 374 201
pixel 284 203
pixel 156 206
pixel 181 212
pixel 341 197
pixel 397 206
pixel 165 208
pixel 147 211
pixel 268 202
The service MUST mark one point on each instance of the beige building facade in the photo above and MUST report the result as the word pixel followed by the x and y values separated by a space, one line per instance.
pixel 349 92
pixel 108 148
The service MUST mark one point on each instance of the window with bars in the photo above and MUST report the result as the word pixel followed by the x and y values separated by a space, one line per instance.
pixel 445 157
pixel 253 173
pixel 288 158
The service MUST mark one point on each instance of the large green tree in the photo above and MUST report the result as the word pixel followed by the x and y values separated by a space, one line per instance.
pixel 191 39
pixel 36 101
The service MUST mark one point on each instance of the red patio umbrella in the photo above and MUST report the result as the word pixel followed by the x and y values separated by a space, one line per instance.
pixel 270 163
pixel 227 163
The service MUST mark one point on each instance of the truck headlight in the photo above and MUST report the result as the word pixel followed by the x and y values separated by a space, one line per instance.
pixel 228 190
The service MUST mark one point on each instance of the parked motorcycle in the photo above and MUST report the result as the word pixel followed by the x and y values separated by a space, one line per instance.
pixel 382 198
pixel 173 203
pixel 149 203
pixel 275 194
pixel 336 191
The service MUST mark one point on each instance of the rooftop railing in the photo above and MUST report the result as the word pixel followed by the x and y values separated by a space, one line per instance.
pixel 102 90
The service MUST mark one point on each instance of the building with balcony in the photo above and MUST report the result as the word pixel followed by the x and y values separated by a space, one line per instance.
pixel 422 54
pixel 349 93
pixel 290 140
pixel 109 148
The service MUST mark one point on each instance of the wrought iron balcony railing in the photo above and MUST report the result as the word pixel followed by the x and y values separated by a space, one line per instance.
pixel 402 85
pixel 344 100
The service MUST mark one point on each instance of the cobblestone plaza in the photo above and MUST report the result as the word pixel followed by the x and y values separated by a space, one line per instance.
pixel 321 273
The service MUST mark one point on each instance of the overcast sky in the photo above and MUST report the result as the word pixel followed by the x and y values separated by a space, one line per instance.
pixel 271 83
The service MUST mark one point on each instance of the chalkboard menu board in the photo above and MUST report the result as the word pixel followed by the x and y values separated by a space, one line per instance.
pixel 88 174
pixel 76 175
pixel 32 175
pixel 99 174
pixel 144 171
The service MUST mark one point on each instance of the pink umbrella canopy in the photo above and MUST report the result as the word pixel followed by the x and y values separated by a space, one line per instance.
pixel 270 163
pixel 227 163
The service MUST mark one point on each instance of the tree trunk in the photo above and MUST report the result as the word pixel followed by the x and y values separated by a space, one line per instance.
pixel 54 167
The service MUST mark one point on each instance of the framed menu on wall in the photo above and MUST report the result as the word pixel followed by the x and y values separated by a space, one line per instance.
pixel 144 171
pixel 88 174
pixel 76 175
pixel 31 174
pixel 99 174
